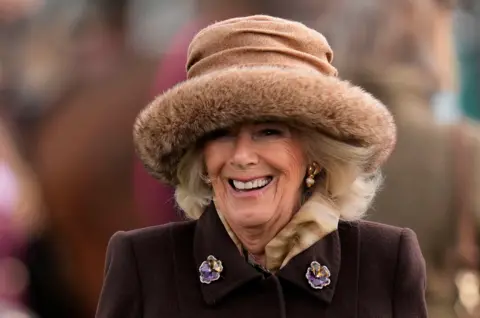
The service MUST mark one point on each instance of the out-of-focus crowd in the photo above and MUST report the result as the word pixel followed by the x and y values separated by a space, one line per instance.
pixel 74 75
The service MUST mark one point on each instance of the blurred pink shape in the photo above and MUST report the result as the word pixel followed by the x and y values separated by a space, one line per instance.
pixel 12 10
pixel 8 190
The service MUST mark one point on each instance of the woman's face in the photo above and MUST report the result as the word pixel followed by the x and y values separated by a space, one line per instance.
pixel 257 173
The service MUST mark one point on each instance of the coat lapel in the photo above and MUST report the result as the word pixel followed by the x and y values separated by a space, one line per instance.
pixel 327 253
pixel 211 238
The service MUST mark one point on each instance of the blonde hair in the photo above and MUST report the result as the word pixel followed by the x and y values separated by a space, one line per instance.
pixel 342 182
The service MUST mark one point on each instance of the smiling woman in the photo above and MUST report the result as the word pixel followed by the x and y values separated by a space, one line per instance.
pixel 288 148
pixel 274 160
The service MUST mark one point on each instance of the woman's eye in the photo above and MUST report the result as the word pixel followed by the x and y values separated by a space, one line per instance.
pixel 270 132
pixel 220 133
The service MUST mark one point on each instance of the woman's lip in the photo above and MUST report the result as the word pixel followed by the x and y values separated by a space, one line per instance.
pixel 250 178
pixel 251 193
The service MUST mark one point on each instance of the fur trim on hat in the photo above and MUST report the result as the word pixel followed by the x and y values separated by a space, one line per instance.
pixel 177 119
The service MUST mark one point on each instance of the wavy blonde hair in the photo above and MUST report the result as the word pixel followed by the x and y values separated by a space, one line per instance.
pixel 342 182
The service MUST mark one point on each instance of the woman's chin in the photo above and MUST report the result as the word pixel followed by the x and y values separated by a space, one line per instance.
pixel 253 218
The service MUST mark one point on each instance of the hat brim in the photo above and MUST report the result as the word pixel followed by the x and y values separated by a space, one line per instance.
pixel 178 118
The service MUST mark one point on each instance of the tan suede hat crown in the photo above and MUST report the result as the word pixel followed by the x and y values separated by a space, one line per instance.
pixel 259 68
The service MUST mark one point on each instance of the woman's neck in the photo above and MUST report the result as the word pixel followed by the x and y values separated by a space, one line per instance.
pixel 255 239
pixel 273 244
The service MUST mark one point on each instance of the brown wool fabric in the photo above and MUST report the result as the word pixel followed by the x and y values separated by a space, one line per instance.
pixel 258 41
pixel 259 68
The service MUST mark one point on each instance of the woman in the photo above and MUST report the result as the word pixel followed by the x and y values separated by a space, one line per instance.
pixel 275 160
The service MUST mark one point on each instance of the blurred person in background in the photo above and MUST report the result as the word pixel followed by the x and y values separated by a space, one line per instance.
pixel 76 73
pixel 467 23
pixel 402 51
pixel 20 221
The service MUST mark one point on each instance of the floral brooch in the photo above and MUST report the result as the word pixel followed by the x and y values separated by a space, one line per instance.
pixel 210 270
pixel 318 276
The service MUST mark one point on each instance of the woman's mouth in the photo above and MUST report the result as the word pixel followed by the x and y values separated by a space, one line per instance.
pixel 251 185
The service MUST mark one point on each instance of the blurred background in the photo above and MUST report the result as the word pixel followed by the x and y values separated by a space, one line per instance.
pixel 75 73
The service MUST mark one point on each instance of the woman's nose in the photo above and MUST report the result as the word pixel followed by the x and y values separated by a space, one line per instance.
pixel 244 153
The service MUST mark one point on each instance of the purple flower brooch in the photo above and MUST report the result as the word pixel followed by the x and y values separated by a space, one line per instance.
pixel 210 270
pixel 318 276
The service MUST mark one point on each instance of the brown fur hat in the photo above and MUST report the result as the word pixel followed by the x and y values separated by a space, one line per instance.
pixel 259 68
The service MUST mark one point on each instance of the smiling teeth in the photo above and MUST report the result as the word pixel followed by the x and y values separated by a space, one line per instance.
pixel 253 184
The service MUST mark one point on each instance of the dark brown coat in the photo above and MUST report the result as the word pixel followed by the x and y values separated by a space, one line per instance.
pixel 376 271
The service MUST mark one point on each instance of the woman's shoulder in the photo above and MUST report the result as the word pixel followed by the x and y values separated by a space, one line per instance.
pixel 389 264
pixel 378 239
pixel 159 238
pixel 385 254
pixel 374 230
pixel 159 233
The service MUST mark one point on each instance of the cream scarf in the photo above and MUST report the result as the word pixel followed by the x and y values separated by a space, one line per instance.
pixel 310 224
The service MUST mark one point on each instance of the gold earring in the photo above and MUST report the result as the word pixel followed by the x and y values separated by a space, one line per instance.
pixel 313 170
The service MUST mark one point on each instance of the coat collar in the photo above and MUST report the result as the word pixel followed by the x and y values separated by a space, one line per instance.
pixel 211 238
